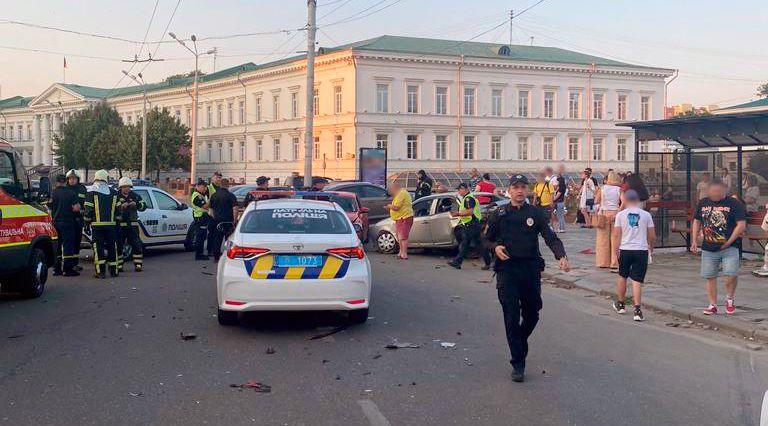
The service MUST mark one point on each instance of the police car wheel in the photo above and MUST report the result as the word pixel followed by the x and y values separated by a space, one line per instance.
pixel 386 243
pixel 359 316
pixel 227 317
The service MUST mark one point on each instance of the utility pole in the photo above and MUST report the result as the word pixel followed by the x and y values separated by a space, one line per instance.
pixel 511 17
pixel 140 81
pixel 308 131
pixel 215 52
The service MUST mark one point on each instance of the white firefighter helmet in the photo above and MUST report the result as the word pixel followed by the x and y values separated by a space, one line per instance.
pixel 125 181
pixel 73 172
pixel 101 175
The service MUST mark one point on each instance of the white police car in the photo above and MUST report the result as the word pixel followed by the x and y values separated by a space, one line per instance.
pixel 293 255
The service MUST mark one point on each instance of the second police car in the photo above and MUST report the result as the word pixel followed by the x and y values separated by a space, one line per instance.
pixel 293 255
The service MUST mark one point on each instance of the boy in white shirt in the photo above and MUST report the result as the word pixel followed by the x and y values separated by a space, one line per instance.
pixel 633 237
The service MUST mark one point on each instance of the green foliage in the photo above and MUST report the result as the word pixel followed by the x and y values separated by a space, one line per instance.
pixel 116 147
pixel 758 162
pixel 170 78
pixel 693 113
pixel 167 141
pixel 79 133
pixel 762 90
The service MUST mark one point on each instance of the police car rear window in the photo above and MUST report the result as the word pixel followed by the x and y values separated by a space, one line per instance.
pixel 295 221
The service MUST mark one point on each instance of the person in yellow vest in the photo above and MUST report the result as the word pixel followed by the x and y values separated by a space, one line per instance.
pixel 200 205
pixel 102 214
pixel 470 228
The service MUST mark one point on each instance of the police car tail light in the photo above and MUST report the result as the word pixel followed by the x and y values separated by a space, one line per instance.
pixel 236 252
pixel 347 252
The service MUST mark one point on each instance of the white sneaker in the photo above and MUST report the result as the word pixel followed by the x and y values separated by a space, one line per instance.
pixel 760 272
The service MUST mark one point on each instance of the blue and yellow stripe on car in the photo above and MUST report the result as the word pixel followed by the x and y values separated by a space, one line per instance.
pixel 263 268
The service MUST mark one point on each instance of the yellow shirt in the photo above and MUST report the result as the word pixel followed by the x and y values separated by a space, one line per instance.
pixel 402 200
pixel 544 192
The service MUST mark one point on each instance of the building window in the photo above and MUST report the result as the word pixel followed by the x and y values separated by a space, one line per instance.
pixel 130 120
pixel 29 132
pixel 259 150
pixel 177 113
pixel 621 107
pixel 469 101
pixel 412 99
pixel 242 151
pixel 522 148
pixel 382 97
pixel 230 114
pixel 645 108
pixel 220 152
pixel 209 152
pixel 549 104
pixel 219 109
pixel 548 148
pixel 412 147
pixel 441 147
pixel 296 145
pixel 231 152
pixel 257 112
pixel 337 99
pixel 574 105
pixel 621 149
pixel 339 147
pixel 597 149
pixel 189 117
pixel 523 102
pixel 495 147
pixel 316 102
pixel 276 149
pixel 208 117
pixel 241 112
pixel 275 107
pixel 496 96
pixel 382 141
pixel 573 149
pixel 294 104
pixel 316 148
pixel 441 100
pixel 468 151
pixel 597 106
pixel 642 147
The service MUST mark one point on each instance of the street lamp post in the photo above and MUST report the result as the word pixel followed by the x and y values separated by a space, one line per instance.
pixel 193 147
pixel 140 82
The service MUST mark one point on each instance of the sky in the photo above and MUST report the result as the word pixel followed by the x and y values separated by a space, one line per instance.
pixel 718 47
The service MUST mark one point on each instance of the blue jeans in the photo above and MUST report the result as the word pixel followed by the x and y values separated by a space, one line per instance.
pixel 711 261
pixel 560 211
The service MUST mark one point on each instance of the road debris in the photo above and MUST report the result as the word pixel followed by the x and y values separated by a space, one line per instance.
pixel 15 336
pixel 468 362
pixel 754 347
pixel 328 333
pixel 206 273
pixel 135 394
pixel 448 344
pixel 270 351
pixel 188 336
pixel 673 324
pixel 253 384
pixel 403 345
pixel 377 356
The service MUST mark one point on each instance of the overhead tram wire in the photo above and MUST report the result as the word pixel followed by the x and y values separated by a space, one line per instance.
pixel 344 3
pixel 357 18
pixel 149 26
pixel 165 31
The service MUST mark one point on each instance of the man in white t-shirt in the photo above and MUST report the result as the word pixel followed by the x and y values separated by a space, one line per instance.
pixel 633 239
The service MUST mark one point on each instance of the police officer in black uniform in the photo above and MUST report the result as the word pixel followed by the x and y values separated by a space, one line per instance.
pixel 513 234
pixel 423 186
pixel 212 188
pixel 224 208
pixel 65 208
pixel 262 184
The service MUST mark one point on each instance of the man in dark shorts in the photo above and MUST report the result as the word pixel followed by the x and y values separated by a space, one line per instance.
pixel 633 238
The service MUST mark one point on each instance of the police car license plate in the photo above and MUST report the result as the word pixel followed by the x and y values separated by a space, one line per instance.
pixel 289 261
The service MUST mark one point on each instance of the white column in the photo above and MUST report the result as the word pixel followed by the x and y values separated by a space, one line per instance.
pixel 37 156
pixel 55 131
pixel 47 154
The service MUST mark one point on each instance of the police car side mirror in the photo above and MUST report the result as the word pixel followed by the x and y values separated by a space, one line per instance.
pixel 357 227
pixel 183 206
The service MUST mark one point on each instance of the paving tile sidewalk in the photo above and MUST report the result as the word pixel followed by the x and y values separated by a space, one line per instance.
pixel 672 285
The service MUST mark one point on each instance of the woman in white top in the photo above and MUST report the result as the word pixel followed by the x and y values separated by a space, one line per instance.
pixel 609 199
pixel 587 197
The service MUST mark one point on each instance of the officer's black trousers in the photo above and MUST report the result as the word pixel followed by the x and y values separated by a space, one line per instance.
pixel 211 244
pixel 105 249
pixel 201 232
pixel 220 233
pixel 66 255
pixel 129 234
pixel 519 289
pixel 471 236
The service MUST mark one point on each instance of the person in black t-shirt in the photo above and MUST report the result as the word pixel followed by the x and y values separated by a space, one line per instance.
pixel 224 209
pixel 65 210
pixel 722 221
pixel 559 198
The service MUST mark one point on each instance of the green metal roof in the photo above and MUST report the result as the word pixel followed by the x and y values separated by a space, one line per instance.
pixel 15 102
pixel 754 104
pixel 385 43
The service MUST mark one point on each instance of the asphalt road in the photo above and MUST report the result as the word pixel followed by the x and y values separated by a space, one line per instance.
pixel 110 352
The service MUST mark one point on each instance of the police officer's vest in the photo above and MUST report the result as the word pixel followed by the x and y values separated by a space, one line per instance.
pixel 475 211
pixel 211 189
pixel 198 212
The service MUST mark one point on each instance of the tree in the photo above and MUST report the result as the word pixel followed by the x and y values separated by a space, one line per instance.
pixel 79 133
pixel 762 90
pixel 183 75
pixel 116 147
pixel 167 142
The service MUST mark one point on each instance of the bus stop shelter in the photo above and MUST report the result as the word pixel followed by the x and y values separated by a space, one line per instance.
pixel 700 148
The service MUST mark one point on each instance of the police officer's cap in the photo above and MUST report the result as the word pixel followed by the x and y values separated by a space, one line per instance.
pixel 261 180
pixel 201 182
pixel 217 173
pixel 462 186
pixel 518 178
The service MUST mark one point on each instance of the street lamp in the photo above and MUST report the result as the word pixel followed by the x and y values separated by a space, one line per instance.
pixel 193 148
pixel 140 81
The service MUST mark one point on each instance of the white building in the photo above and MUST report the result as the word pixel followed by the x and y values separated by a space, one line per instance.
pixel 434 104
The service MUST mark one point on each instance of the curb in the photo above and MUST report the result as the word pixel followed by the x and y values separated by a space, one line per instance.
pixel 665 308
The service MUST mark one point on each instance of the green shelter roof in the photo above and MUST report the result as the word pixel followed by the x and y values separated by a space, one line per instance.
pixel 754 104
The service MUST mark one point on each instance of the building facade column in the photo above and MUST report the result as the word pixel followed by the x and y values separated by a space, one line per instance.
pixel 37 149
pixel 46 138
pixel 56 130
